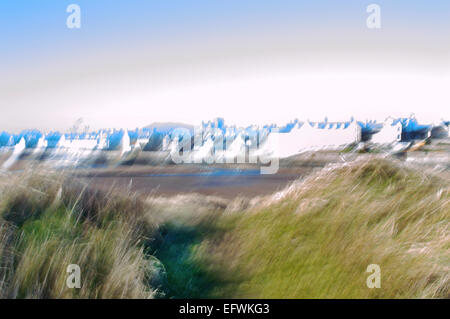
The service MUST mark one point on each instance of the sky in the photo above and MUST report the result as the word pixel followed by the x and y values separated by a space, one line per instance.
pixel 136 62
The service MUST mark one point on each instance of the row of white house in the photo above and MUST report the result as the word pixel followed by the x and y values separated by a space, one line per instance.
pixel 279 141
pixel 313 136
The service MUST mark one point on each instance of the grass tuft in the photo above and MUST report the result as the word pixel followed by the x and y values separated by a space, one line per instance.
pixel 49 222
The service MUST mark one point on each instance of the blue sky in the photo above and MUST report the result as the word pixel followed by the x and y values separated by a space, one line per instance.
pixel 37 28
pixel 172 48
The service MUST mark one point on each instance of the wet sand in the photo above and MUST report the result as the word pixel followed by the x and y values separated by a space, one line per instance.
pixel 150 174
pixel 224 180
pixel 183 179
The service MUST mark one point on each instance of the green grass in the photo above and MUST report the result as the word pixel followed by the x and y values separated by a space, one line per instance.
pixel 188 277
pixel 48 223
pixel 317 241
pixel 314 239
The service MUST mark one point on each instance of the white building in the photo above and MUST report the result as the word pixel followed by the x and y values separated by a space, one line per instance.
pixel 390 133
pixel 313 136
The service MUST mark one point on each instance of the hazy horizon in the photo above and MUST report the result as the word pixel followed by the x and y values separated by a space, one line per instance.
pixel 133 63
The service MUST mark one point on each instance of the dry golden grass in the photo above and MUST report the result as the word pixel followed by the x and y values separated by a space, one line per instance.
pixel 314 239
pixel 48 222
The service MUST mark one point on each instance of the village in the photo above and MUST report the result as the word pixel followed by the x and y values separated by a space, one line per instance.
pixel 213 141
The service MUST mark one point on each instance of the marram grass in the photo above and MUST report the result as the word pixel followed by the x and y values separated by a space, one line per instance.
pixel 48 223
pixel 314 239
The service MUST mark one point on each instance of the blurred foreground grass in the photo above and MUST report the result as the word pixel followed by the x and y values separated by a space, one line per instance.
pixel 314 239
pixel 317 238
pixel 50 222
